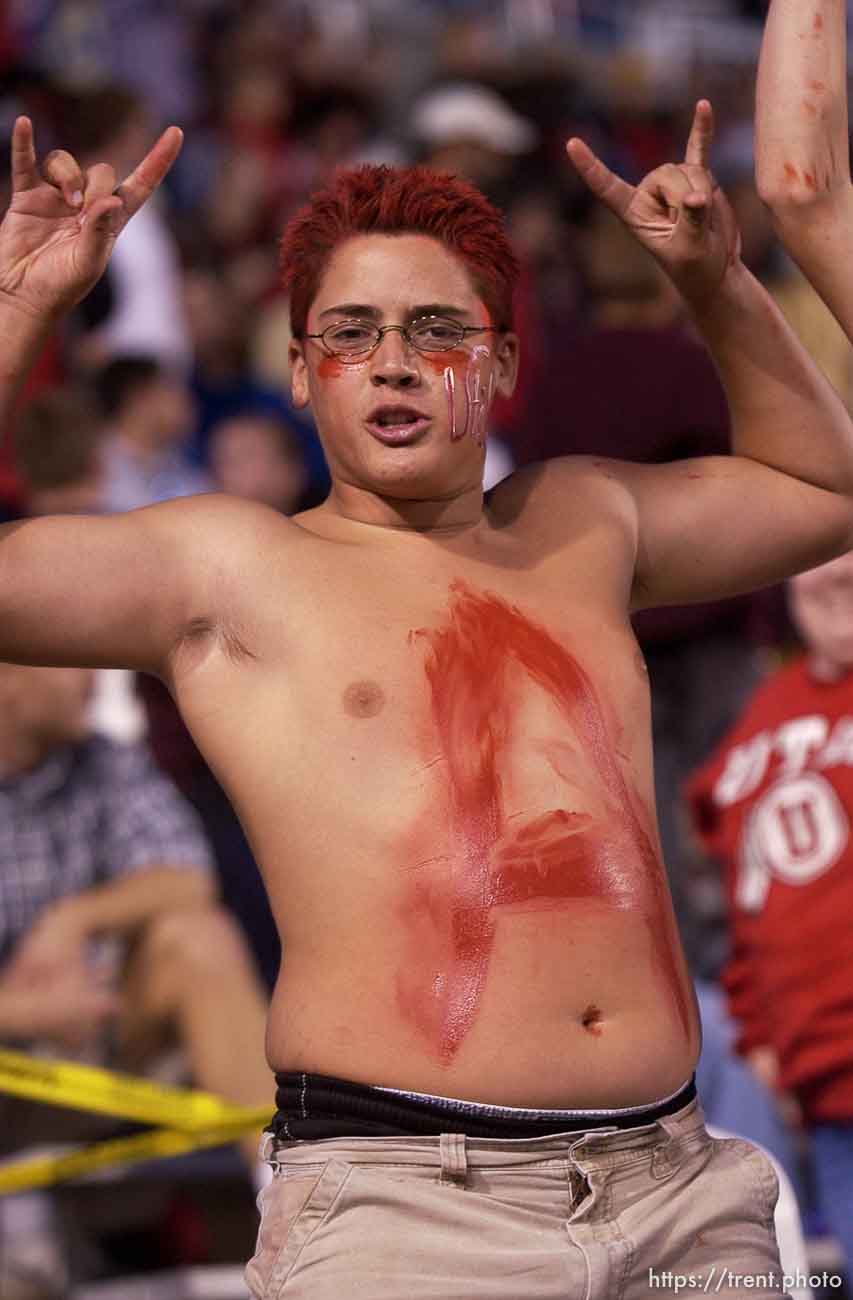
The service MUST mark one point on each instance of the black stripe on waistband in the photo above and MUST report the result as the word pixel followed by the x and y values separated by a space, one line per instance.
pixel 311 1106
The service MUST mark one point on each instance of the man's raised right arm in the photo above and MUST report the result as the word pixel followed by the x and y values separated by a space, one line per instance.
pixel 101 591
pixel 802 145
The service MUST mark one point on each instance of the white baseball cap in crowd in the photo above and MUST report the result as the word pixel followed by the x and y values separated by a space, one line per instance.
pixel 468 111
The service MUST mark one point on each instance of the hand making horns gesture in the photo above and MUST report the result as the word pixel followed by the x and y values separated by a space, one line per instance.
pixel 62 224
pixel 678 212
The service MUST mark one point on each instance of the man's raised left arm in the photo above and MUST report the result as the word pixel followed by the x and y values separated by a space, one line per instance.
pixel 783 502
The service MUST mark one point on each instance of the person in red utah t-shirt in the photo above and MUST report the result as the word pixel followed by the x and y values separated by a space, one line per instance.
pixel 775 804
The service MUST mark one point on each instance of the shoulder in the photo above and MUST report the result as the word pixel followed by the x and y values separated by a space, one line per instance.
pixel 566 491
pixel 216 514
pixel 580 482
pixel 218 536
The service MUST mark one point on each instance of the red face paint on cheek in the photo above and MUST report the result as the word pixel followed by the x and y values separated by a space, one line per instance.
pixel 498 860
pixel 450 365
pixel 439 361
pixel 468 374
pixel 479 390
pixel 330 368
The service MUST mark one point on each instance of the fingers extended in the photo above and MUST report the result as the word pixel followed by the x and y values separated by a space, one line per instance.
pixel 25 175
pixel 698 151
pixel 144 179
pixel 62 171
pixel 605 184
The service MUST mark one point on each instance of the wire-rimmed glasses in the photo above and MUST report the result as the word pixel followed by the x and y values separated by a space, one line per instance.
pixel 356 338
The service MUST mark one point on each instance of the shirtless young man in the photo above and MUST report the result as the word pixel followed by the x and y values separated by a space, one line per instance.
pixel 430 712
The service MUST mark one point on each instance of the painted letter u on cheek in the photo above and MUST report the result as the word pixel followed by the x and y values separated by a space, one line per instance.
pixel 478 395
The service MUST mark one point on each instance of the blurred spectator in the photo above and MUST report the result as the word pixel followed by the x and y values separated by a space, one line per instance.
pixel 275 142
pixel 142 42
pixel 733 1097
pixel 60 453
pixel 258 175
pixel 59 443
pixel 111 939
pixel 97 845
pixel 471 131
pixel 260 458
pixel 774 806
pixel 336 125
pixel 148 412
pixel 228 381
pixel 48 373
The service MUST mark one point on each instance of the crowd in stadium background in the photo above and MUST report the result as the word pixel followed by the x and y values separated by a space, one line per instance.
pixel 172 376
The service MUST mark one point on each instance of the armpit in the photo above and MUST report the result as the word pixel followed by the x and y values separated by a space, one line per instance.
pixel 202 636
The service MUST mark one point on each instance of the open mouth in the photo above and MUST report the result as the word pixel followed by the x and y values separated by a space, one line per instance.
pixel 397 424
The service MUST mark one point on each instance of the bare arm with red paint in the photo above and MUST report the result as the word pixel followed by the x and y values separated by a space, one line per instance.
pixel 802 152
pixel 713 527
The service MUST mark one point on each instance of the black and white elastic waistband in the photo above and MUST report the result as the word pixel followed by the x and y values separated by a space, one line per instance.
pixel 313 1106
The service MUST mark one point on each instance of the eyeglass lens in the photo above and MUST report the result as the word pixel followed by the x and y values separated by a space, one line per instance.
pixel 432 334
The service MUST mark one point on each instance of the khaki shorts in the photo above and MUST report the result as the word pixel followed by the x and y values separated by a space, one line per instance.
pixel 583 1216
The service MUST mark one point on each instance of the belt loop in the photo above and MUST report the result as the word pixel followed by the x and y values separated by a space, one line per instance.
pixel 266 1155
pixel 454 1160
pixel 585 1137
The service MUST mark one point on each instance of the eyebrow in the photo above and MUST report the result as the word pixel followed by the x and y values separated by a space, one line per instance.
pixel 361 309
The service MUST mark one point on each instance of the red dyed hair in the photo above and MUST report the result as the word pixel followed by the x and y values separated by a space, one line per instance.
pixel 394 201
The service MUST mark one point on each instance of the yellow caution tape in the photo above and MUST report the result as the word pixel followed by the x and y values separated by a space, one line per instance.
pixel 189 1118
pixel 22 1175
pixel 90 1088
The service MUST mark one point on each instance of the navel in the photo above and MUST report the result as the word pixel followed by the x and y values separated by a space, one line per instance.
pixel 591 1020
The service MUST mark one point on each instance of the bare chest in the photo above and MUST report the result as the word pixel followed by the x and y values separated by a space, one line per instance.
pixel 397 687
